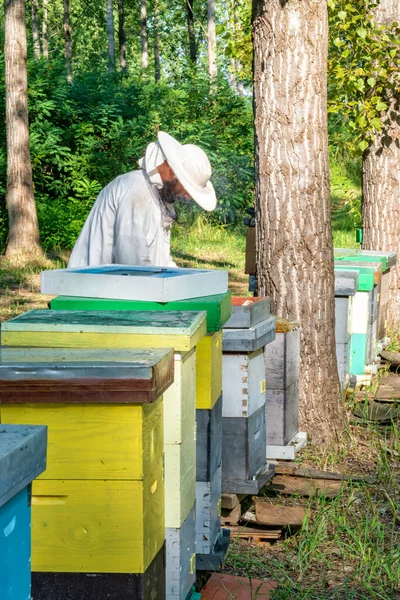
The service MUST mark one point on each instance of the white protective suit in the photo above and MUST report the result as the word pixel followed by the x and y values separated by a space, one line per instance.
pixel 128 224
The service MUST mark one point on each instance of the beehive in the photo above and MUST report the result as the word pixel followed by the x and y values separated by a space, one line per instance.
pixel 100 506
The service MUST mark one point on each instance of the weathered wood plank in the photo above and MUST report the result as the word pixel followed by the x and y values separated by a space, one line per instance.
pixel 305 487
pixel 225 587
pixel 229 501
pixel 272 514
pixel 297 471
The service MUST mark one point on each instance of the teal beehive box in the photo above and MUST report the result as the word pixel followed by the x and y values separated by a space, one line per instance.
pixel 22 459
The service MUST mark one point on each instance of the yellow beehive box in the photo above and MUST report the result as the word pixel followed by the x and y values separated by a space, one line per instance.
pixel 95 441
pixel 97 526
pixel 209 370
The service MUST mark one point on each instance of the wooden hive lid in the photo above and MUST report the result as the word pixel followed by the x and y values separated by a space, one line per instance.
pixel 62 375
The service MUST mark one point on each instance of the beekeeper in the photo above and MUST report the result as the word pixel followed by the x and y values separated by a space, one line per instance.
pixel 130 222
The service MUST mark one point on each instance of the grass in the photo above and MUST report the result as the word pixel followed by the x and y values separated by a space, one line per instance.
pixel 349 546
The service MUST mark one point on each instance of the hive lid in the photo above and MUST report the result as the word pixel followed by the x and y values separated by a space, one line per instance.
pixel 142 374
pixel 156 284
pixel 249 339
pixel 217 307
pixel 247 312
pixel 109 329
pixel 22 457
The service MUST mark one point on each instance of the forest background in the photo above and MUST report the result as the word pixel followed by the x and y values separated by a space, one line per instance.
pixel 86 131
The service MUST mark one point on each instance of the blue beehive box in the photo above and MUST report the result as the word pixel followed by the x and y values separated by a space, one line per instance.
pixel 22 459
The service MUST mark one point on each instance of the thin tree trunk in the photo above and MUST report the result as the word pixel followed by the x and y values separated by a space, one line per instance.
pixel 240 87
pixel 143 34
pixel 212 40
pixel 293 223
pixel 110 36
pixel 35 29
pixel 157 67
pixel 68 41
pixel 191 31
pixel 45 41
pixel 122 36
pixel 232 74
pixel 23 224
pixel 381 182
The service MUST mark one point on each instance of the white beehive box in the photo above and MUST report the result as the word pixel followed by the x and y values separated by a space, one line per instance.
pixel 124 282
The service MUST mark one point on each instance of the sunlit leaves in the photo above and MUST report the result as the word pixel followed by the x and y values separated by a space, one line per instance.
pixel 363 68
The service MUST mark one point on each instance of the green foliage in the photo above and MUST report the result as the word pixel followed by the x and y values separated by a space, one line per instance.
pixel 85 134
pixel 364 69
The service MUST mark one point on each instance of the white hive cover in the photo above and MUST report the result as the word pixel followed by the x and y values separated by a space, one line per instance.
pixel 125 282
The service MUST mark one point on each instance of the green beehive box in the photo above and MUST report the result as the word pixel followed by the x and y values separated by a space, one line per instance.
pixel 218 307
pixel 367 274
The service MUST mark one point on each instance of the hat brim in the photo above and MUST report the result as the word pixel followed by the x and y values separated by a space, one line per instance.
pixel 173 151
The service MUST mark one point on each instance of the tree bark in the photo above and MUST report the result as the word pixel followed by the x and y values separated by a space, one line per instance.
pixel 293 221
pixel 45 41
pixel 143 34
pixel 35 29
pixel 122 36
pixel 110 36
pixel 68 40
pixel 212 40
pixel 191 31
pixel 23 236
pixel 381 182
pixel 157 66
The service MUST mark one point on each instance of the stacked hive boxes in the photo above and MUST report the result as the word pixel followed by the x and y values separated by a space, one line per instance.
pixel 211 542
pixel 364 311
pixel 22 458
pixel 129 330
pixel 245 336
pixel 346 286
pixel 282 367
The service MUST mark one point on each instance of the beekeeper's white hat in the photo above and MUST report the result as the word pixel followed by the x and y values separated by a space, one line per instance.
pixel 192 169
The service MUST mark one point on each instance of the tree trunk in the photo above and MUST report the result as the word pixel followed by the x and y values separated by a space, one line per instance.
pixel 212 40
pixel 68 41
pixel 191 32
pixel 45 42
pixel 381 182
pixel 110 36
pixel 35 29
pixel 23 236
pixel 143 34
pixel 122 36
pixel 293 220
pixel 232 74
pixel 157 67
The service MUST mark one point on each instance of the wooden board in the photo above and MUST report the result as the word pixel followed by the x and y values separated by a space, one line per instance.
pixel 227 587
pixel 389 388
pixel 97 526
pixel 305 487
pixel 256 533
pixel 157 284
pixel 273 514
pixel 149 585
pixel 96 441
pixel 104 329
pixel 68 375
pixel 218 307
pixel 209 370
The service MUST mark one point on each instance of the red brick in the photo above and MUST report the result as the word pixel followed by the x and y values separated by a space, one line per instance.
pixel 226 587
